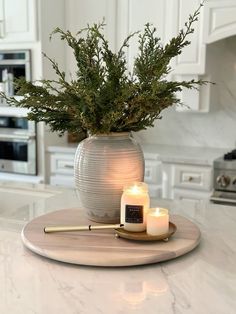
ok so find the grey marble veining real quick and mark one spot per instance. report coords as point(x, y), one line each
point(203, 281)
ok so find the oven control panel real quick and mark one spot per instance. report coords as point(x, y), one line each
point(225, 172)
point(225, 180)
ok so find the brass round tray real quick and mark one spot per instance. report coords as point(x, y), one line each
point(143, 236)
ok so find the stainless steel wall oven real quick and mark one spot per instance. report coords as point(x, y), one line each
point(13, 64)
point(17, 145)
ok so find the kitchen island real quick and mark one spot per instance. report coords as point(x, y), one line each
point(202, 281)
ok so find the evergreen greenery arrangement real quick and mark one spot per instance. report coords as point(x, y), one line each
point(105, 97)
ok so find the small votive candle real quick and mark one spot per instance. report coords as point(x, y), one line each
point(135, 202)
point(157, 221)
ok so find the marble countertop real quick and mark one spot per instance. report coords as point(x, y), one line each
point(203, 281)
point(183, 154)
point(166, 153)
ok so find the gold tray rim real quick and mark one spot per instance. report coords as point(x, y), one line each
point(143, 236)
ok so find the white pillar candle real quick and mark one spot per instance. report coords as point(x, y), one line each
point(135, 202)
point(157, 221)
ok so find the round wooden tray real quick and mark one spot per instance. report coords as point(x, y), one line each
point(101, 247)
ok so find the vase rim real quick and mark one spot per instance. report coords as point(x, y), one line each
point(111, 134)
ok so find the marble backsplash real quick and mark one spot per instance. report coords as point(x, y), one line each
point(217, 128)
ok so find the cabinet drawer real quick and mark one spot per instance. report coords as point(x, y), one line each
point(62, 163)
point(192, 177)
point(190, 196)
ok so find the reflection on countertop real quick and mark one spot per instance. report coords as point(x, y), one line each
point(21, 202)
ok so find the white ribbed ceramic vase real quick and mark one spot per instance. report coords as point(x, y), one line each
point(103, 165)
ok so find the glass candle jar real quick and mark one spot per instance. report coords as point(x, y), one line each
point(135, 203)
point(157, 221)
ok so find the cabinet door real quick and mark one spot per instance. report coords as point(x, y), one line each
point(191, 59)
point(189, 196)
point(132, 15)
point(187, 182)
point(219, 21)
point(17, 21)
point(190, 64)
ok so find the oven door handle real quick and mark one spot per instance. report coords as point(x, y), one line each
point(17, 137)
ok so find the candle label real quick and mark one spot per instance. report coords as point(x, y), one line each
point(134, 214)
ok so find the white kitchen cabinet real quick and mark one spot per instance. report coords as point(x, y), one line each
point(62, 164)
point(170, 171)
point(187, 181)
point(190, 196)
point(153, 177)
point(62, 170)
point(18, 21)
point(80, 13)
point(168, 16)
point(192, 177)
point(217, 20)
point(132, 15)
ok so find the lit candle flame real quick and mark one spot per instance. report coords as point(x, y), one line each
point(135, 189)
point(158, 211)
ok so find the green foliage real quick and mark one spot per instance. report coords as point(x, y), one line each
point(104, 97)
